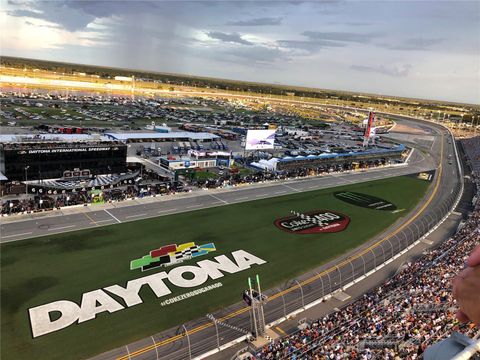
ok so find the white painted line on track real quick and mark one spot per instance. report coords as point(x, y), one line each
point(215, 197)
point(13, 235)
point(349, 181)
point(109, 213)
point(289, 187)
point(261, 195)
point(135, 215)
point(193, 206)
point(280, 192)
point(100, 221)
point(62, 227)
point(166, 210)
point(242, 198)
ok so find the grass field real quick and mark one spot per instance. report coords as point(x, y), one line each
point(57, 267)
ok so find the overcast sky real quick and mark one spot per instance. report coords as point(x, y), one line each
point(426, 49)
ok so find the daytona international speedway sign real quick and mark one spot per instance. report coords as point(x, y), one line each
point(94, 302)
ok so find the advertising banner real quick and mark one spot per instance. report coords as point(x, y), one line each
point(313, 222)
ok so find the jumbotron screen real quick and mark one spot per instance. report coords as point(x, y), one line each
point(260, 139)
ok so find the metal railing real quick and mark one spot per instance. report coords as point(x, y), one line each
point(310, 289)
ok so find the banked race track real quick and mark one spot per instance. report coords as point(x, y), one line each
point(444, 192)
point(205, 335)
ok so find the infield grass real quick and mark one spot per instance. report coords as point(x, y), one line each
point(62, 267)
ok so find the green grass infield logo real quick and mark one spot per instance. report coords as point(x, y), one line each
point(170, 255)
point(364, 200)
point(57, 315)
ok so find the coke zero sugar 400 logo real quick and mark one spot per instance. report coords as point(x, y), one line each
point(313, 222)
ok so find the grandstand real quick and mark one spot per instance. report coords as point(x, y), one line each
point(99, 181)
point(370, 157)
point(405, 315)
point(471, 146)
point(398, 319)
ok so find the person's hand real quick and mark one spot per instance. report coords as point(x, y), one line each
point(474, 258)
point(466, 289)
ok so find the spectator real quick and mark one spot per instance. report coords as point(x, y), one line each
point(403, 316)
point(466, 289)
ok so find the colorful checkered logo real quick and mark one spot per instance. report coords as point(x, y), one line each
point(170, 255)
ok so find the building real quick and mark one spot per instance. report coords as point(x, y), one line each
point(197, 159)
point(351, 160)
point(174, 136)
point(54, 156)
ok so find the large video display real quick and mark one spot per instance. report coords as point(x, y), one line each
point(260, 139)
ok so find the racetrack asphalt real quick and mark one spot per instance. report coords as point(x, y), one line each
point(424, 158)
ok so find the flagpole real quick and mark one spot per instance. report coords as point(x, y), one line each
point(252, 305)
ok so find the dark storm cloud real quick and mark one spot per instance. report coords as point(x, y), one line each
point(228, 38)
point(414, 44)
point(400, 71)
point(75, 15)
point(339, 36)
point(68, 18)
point(266, 21)
point(109, 8)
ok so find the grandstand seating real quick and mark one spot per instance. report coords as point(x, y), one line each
point(400, 318)
point(471, 147)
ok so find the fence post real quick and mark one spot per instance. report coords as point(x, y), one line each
point(301, 290)
point(374, 259)
point(407, 243)
point(284, 306)
point(128, 352)
point(391, 245)
point(353, 271)
point(329, 282)
point(323, 289)
point(218, 337)
point(340, 275)
point(188, 341)
point(418, 229)
point(364, 266)
point(155, 346)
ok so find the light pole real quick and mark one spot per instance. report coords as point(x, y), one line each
point(26, 186)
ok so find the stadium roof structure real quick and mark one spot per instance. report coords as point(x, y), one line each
point(272, 163)
point(25, 138)
point(374, 151)
point(162, 136)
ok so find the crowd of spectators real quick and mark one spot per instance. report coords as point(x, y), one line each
point(471, 147)
point(230, 178)
point(85, 197)
point(227, 179)
point(397, 320)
